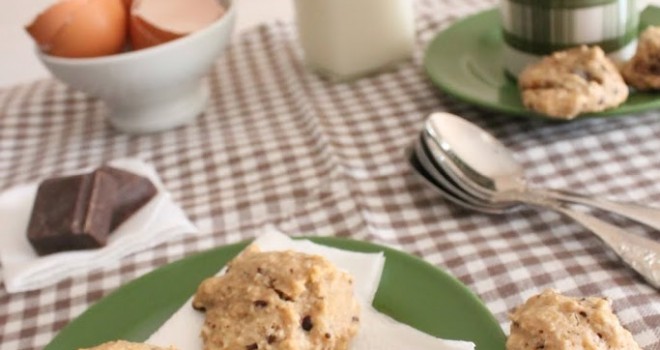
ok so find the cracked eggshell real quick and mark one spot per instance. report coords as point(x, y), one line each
point(154, 22)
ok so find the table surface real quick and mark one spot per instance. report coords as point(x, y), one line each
point(277, 145)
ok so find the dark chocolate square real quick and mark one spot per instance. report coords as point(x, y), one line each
point(134, 191)
point(72, 213)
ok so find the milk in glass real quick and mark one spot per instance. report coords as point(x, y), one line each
point(346, 39)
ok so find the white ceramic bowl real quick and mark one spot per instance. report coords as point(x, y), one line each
point(534, 28)
point(153, 89)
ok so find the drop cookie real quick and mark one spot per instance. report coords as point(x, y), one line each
point(643, 70)
point(572, 82)
point(551, 321)
point(278, 300)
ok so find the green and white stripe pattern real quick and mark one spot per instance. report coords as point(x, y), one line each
point(545, 26)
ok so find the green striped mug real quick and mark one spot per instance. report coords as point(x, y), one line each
point(534, 28)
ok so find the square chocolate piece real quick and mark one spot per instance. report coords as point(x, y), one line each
point(72, 213)
point(133, 192)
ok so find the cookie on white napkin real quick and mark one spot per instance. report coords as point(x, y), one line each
point(158, 221)
point(377, 331)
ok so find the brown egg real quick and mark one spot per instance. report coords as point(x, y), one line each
point(49, 22)
point(82, 28)
point(155, 22)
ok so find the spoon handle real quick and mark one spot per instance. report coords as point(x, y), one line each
point(647, 215)
point(640, 253)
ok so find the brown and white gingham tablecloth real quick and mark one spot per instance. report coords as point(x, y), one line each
point(277, 145)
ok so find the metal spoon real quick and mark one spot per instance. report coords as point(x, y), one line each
point(438, 176)
point(485, 168)
point(493, 167)
point(437, 187)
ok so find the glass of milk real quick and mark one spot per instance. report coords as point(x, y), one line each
point(347, 39)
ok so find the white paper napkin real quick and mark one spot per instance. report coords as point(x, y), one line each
point(156, 222)
point(377, 331)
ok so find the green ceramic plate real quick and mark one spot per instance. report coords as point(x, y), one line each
point(465, 61)
point(411, 291)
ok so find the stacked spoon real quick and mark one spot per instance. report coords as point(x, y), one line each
point(470, 168)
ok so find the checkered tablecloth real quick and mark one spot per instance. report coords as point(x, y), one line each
point(278, 145)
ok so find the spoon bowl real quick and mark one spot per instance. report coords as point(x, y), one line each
point(477, 153)
point(442, 179)
point(431, 183)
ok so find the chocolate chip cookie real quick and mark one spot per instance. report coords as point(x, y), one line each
point(643, 70)
point(551, 321)
point(278, 300)
point(572, 82)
